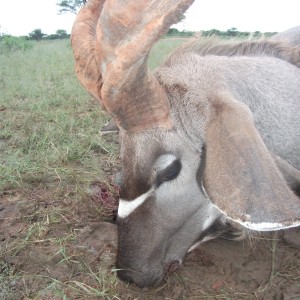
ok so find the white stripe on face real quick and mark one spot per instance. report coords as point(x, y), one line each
point(128, 207)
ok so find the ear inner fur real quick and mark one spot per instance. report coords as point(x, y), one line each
point(240, 177)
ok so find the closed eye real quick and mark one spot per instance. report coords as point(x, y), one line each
point(169, 173)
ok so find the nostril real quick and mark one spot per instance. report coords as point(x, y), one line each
point(140, 279)
point(124, 276)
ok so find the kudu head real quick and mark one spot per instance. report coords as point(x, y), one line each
point(176, 186)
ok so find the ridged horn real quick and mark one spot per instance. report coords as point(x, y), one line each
point(113, 65)
point(83, 39)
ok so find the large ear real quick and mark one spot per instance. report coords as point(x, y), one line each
point(240, 176)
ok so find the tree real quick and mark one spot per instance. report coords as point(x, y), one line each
point(212, 32)
point(72, 6)
point(61, 33)
point(257, 33)
point(232, 31)
point(173, 31)
point(36, 34)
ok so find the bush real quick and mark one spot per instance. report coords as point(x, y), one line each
point(10, 44)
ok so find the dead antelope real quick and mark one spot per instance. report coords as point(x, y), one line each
point(200, 137)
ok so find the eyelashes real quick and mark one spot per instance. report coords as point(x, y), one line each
point(169, 173)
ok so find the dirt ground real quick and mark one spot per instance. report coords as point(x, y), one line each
point(76, 246)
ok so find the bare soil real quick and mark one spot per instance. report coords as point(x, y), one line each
point(261, 267)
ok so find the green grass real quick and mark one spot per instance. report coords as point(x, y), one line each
point(49, 124)
point(161, 50)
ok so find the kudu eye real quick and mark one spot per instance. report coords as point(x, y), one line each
point(169, 173)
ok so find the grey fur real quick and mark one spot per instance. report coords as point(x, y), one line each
point(249, 80)
point(179, 212)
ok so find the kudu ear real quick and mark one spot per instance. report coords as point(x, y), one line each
point(240, 176)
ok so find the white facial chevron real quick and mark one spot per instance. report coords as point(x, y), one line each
point(128, 207)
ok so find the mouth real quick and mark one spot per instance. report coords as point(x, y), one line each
point(172, 266)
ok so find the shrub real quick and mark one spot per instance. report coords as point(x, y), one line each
point(10, 44)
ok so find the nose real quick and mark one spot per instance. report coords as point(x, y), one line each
point(124, 276)
point(140, 279)
point(132, 277)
